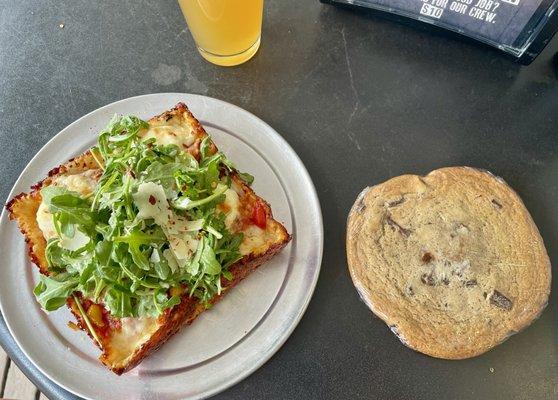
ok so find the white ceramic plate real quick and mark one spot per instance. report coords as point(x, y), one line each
point(226, 343)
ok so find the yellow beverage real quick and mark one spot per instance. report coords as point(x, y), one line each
point(227, 32)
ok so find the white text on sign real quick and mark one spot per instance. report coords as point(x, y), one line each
point(431, 11)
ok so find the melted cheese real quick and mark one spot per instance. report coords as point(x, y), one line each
point(168, 132)
point(133, 334)
point(45, 222)
point(84, 184)
point(255, 240)
point(79, 240)
point(231, 207)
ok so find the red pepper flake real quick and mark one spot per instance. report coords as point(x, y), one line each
point(152, 200)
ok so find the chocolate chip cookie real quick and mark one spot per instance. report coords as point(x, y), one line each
point(452, 262)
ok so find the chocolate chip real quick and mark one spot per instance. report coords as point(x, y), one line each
point(471, 283)
point(428, 279)
point(152, 200)
point(397, 227)
point(396, 202)
point(501, 301)
point(427, 257)
point(497, 204)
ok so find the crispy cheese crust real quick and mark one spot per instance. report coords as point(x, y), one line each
point(24, 206)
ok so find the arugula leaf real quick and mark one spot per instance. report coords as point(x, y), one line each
point(75, 209)
point(210, 264)
point(61, 259)
point(139, 258)
point(162, 173)
point(244, 176)
point(171, 302)
point(119, 302)
point(185, 203)
point(160, 265)
point(51, 293)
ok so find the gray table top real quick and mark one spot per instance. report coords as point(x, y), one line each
point(360, 99)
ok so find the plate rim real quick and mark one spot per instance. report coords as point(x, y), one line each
point(4, 219)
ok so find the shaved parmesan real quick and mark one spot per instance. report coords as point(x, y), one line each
point(151, 201)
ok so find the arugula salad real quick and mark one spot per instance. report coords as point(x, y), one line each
point(151, 228)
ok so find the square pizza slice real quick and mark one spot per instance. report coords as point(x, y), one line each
point(143, 232)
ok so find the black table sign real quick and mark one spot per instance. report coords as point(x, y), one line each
point(520, 28)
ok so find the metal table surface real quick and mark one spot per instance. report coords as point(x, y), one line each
point(361, 99)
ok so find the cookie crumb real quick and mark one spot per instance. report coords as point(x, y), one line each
point(491, 369)
point(61, 26)
point(427, 257)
